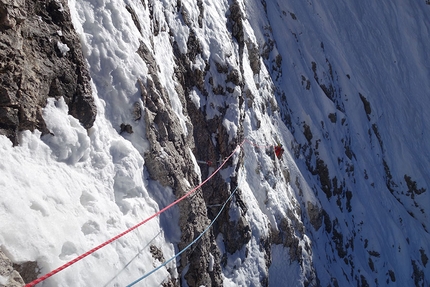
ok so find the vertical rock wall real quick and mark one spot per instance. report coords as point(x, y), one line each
point(169, 161)
point(40, 57)
point(9, 276)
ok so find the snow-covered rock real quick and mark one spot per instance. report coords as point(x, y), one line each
point(180, 87)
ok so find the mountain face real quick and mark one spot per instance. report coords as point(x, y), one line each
point(194, 90)
point(41, 57)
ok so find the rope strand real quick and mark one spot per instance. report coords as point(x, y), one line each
point(188, 246)
point(46, 276)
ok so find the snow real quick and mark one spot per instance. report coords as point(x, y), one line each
point(287, 272)
point(211, 263)
point(76, 189)
point(67, 139)
point(4, 279)
point(69, 203)
point(195, 98)
point(63, 48)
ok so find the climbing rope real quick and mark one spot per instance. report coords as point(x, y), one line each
point(46, 276)
point(189, 245)
point(129, 262)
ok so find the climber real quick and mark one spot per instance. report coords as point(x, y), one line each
point(279, 151)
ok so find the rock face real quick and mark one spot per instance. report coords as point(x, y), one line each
point(166, 137)
point(13, 279)
point(169, 161)
point(40, 57)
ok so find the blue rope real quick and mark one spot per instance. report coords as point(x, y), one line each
point(189, 245)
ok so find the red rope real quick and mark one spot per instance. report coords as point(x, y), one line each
point(53, 272)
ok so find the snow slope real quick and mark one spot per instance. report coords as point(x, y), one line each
point(343, 86)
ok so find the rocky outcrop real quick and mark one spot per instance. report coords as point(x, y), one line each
point(175, 169)
point(8, 276)
point(169, 161)
point(209, 140)
point(212, 142)
point(40, 57)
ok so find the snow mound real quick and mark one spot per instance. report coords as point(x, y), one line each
point(68, 140)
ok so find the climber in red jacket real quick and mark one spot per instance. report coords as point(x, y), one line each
point(279, 151)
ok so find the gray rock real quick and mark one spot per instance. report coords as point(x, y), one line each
point(315, 215)
point(7, 271)
point(40, 57)
point(169, 162)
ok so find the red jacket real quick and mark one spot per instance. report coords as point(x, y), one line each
point(279, 151)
